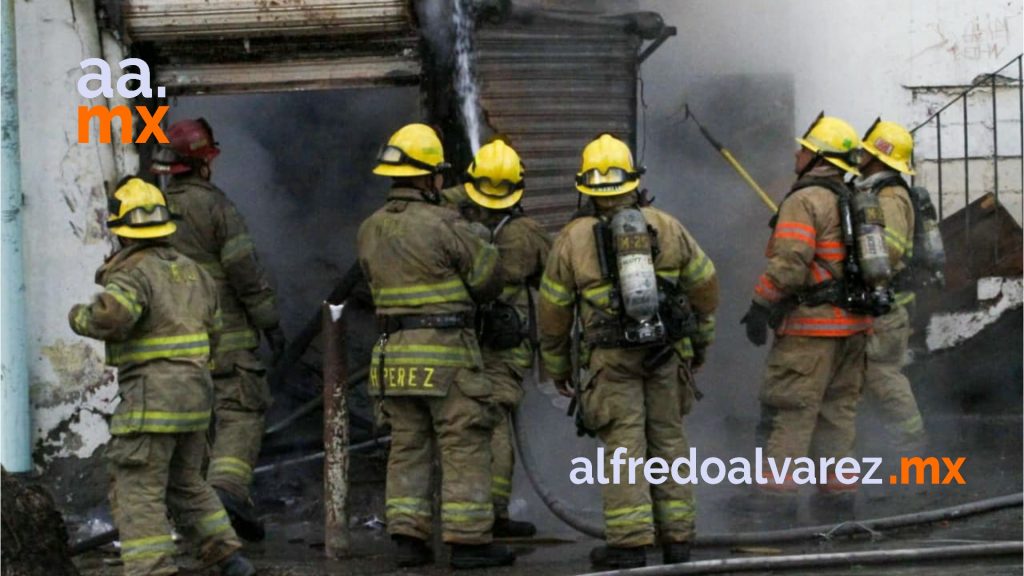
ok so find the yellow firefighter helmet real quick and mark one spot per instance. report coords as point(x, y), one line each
point(415, 150)
point(834, 140)
point(139, 210)
point(495, 176)
point(607, 168)
point(892, 144)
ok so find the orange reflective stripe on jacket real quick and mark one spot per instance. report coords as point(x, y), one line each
point(841, 324)
point(796, 231)
point(830, 251)
point(766, 289)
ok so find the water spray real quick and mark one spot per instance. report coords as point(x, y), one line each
point(465, 82)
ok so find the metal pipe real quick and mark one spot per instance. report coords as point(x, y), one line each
point(995, 168)
point(373, 443)
point(336, 537)
point(967, 197)
point(16, 431)
point(833, 559)
point(354, 379)
point(938, 161)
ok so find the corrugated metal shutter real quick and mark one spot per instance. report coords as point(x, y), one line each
point(156, 20)
point(216, 46)
point(551, 87)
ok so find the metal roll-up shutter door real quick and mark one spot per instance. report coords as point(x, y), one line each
point(157, 20)
point(551, 87)
point(218, 46)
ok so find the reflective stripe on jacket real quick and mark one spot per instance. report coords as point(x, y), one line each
point(159, 318)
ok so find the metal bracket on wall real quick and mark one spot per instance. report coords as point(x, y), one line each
point(666, 33)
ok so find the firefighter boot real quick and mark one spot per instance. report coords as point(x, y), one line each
point(243, 516)
point(613, 557)
point(506, 528)
point(481, 556)
point(675, 552)
point(237, 565)
point(411, 551)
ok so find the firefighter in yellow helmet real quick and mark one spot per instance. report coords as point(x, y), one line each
point(213, 233)
point(428, 271)
point(491, 195)
point(159, 317)
point(646, 294)
point(889, 148)
point(815, 368)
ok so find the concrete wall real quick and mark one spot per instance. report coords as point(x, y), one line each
point(65, 236)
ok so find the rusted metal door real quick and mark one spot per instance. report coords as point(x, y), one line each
point(550, 86)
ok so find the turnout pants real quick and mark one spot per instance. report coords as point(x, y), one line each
point(809, 400)
point(508, 392)
point(459, 425)
point(642, 411)
point(241, 399)
point(151, 474)
point(886, 386)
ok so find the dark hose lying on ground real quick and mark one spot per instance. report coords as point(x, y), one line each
point(837, 559)
point(567, 514)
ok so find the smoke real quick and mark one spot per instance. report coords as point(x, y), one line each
point(299, 168)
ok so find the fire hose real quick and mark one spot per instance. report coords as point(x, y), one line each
point(835, 559)
point(589, 527)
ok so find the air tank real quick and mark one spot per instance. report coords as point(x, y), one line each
point(869, 232)
point(638, 282)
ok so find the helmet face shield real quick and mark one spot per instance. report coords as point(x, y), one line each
point(394, 156)
point(610, 178)
point(142, 216)
point(498, 189)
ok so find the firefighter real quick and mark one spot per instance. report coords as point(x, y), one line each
point(428, 270)
point(159, 317)
point(212, 232)
point(493, 190)
point(646, 294)
point(815, 368)
point(889, 148)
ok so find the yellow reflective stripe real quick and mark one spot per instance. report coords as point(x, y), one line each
point(407, 506)
point(126, 298)
point(81, 320)
point(705, 330)
point(230, 466)
point(244, 339)
point(197, 344)
point(600, 296)
point(913, 425)
point(143, 548)
point(674, 510)
point(501, 486)
point(483, 265)
point(520, 356)
point(511, 290)
point(904, 298)
point(213, 524)
point(420, 294)
point(427, 354)
point(464, 512)
point(555, 293)
point(632, 516)
point(555, 364)
point(696, 271)
point(236, 248)
point(684, 347)
point(896, 241)
point(131, 421)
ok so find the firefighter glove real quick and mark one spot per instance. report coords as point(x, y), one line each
point(756, 321)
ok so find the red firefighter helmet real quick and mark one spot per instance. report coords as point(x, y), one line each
point(188, 140)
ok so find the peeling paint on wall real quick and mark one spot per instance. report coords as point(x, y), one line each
point(1000, 294)
point(71, 412)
